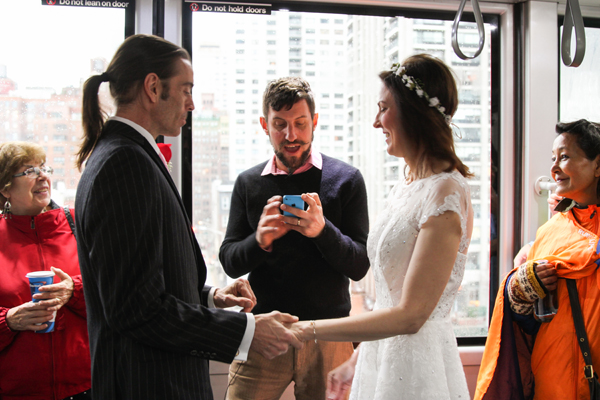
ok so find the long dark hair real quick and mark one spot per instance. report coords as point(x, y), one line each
point(426, 128)
point(138, 56)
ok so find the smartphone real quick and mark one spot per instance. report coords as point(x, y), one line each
point(293, 200)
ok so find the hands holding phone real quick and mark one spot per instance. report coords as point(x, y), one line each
point(273, 225)
point(311, 222)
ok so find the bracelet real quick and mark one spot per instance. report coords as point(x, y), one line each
point(314, 326)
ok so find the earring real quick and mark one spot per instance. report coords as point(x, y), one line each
point(6, 213)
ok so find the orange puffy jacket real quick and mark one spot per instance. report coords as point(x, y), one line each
point(570, 240)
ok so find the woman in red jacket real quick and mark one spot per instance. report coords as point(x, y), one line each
point(36, 236)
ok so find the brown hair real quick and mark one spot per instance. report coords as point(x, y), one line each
point(13, 155)
point(138, 56)
point(285, 92)
point(425, 127)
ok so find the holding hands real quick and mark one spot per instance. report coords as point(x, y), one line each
point(272, 336)
point(340, 379)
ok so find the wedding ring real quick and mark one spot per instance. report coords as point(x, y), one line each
point(298, 223)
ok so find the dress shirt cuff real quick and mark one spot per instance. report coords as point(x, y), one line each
point(242, 354)
point(211, 297)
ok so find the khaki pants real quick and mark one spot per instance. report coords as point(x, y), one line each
point(262, 379)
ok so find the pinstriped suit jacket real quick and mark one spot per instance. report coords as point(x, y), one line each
point(143, 275)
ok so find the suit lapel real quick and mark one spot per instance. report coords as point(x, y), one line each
point(133, 135)
point(126, 131)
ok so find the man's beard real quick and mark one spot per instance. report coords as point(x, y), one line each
point(293, 163)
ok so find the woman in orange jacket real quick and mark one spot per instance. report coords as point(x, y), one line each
point(527, 359)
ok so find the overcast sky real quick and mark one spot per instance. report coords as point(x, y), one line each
point(58, 51)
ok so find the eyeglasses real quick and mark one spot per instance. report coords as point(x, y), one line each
point(34, 172)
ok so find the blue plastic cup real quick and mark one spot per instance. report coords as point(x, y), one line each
point(38, 279)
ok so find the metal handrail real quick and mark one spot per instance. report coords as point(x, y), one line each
point(480, 29)
point(573, 19)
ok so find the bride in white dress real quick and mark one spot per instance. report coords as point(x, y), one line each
point(417, 249)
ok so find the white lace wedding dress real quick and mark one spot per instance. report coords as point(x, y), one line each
point(425, 365)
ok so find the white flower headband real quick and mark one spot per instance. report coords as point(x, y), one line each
point(412, 83)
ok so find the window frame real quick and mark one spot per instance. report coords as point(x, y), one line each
point(496, 119)
point(588, 22)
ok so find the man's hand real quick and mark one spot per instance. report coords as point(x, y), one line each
point(239, 293)
point(311, 222)
point(271, 226)
point(61, 291)
point(272, 337)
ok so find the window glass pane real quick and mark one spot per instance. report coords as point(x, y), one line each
point(46, 54)
point(579, 94)
point(346, 90)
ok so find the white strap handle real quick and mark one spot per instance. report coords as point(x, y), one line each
point(573, 19)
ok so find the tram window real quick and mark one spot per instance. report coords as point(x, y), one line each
point(468, 39)
point(579, 95)
point(46, 53)
point(429, 37)
point(468, 153)
point(427, 22)
point(467, 135)
point(351, 89)
point(476, 211)
point(469, 97)
point(468, 115)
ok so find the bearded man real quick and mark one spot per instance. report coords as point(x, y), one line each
point(300, 264)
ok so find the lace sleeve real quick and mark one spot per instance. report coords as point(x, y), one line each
point(450, 203)
point(448, 193)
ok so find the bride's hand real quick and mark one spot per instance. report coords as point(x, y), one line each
point(300, 329)
point(340, 379)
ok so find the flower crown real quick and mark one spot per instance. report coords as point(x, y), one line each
point(415, 85)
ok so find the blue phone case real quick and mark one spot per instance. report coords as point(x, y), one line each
point(293, 200)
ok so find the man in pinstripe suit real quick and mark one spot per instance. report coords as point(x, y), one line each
point(151, 320)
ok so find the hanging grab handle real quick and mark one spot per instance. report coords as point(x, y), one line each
point(480, 29)
point(573, 19)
